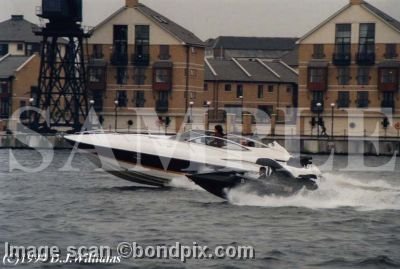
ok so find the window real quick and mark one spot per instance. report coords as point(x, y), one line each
point(390, 51)
point(32, 48)
point(122, 76)
point(96, 74)
point(34, 94)
point(205, 87)
point(142, 42)
point(164, 52)
point(163, 75)
point(4, 87)
point(260, 93)
point(343, 75)
point(228, 87)
point(270, 88)
point(362, 99)
point(3, 49)
point(20, 46)
point(4, 107)
point(318, 51)
point(343, 99)
point(318, 96)
point(388, 99)
point(388, 75)
point(163, 96)
point(122, 98)
point(98, 101)
point(343, 39)
point(317, 75)
point(367, 38)
point(239, 91)
point(139, 75)
point(120, 42)
point(139, 99)
point(193, 50)
point(289, 89)
point(363, 76)
point(97, 51)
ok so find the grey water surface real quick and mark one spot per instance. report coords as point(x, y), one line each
point(352, 221)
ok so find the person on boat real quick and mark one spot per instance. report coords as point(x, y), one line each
point(219, 135)
point(263, 173)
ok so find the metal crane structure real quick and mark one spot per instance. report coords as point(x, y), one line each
point(62, 92)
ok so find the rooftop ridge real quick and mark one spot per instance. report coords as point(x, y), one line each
point(241, 67)
point(210, 66)
point(268, 68)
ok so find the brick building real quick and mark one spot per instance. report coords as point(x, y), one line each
point(350, 64)
point(148, 64)
point(19, 66)
point(266, 86)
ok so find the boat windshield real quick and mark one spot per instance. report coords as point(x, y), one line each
point(237, 139)
point(246, 141)
point(217, 142)
point(189, 135)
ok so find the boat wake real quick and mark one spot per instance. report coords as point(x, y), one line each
point(334, 191)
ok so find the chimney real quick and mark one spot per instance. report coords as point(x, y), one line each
point(17, 17)
point(356, 2)
point(131, 3)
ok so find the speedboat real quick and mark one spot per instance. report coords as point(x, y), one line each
point(277, 181)
point(157, 160)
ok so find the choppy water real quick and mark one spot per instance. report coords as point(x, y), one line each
point(352, 221)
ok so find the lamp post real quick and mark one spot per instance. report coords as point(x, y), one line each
point(207, 106)
point(191, 103)
point(91, 102)
point(241, 103)
point(116, 114)
point(332, 118)
point(319, 105)
point(31, 100)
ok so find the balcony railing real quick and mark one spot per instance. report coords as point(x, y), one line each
point(119, 58)
point(315, 108)
point(141, 59)
point(162, 106)
point(364, 58)
point(97, 56)
point(341, 59)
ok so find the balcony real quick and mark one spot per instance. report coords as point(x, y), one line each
point(97, 74)
point(97, 56)
point(141, 59)
point(317, 86)
point(162, 106)
point(162, 78)
point(317, 79)
point(365, 58)
point(315, 108)
point(119, 58)
point(341, 59)
point(388, 79)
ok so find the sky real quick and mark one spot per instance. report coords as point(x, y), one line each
point(212, 18)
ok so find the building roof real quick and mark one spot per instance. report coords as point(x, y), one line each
point(17, 29)
point(248, 71)
point(10, 64)
point(175, 29)
point(377, 12)
point(292, 57)
point(168, 25)
point(254, 43)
